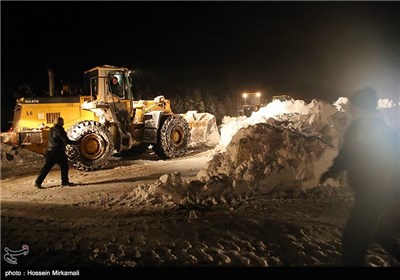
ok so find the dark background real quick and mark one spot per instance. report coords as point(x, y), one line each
point(305, 49)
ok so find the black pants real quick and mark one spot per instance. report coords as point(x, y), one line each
point(362, 227)
point(53, 157)
point(388, 231)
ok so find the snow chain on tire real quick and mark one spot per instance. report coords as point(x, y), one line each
point(94, 147)
point(173, 137)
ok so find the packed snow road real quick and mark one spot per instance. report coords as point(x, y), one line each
point(111, 219)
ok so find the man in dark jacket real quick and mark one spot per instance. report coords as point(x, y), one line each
point(58, 139)
point(116, 88)
point(370, 154)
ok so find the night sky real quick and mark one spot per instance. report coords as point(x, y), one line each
point(305, 49)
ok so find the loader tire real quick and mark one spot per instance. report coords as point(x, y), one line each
point(94, 147)
point(173, 137)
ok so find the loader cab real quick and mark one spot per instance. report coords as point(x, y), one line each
point(107, 82)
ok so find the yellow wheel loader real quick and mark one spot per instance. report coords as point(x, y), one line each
point(105, 118)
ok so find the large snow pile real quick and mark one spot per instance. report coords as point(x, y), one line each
point(285, 145)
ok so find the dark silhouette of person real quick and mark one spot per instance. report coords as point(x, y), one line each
point(370, 154)
point(58, 139)
point(116, 88)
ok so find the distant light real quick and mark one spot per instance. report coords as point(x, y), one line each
point(258, 94)
point(245, 95)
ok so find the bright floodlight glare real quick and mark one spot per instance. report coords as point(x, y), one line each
point(258, 94)
point(244, 95)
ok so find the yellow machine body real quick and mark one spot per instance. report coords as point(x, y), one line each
point(101, 119)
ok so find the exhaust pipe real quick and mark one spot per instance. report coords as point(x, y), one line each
point(51, 81)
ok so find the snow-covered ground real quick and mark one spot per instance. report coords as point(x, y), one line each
point(254, 200)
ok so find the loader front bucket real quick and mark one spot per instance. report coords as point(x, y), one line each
point(203, 129)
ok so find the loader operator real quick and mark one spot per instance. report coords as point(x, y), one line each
point(58, 139)
point(116, 88)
